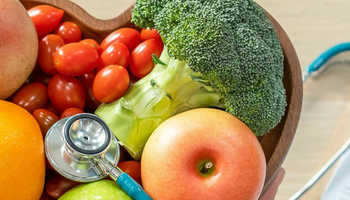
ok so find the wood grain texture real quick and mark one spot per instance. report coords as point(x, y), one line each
point(276, 143)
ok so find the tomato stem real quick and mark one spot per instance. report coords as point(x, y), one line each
point(204, 169)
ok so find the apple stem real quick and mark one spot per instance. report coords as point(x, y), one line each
point(206, 167)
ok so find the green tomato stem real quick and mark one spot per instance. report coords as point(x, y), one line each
point(206, 168)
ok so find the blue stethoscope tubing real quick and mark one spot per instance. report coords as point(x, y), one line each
point(309, 71)
point(324, 57)
point(132, 188)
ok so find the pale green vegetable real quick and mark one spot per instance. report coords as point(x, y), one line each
point(99, 190)
point(171, 88)
point(219, 53)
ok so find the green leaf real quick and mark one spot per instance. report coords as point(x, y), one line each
point(156, 60)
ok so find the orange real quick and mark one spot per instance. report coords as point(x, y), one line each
point(22, 159)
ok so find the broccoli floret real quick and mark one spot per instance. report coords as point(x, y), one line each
point(218, 53)
point(144, 12)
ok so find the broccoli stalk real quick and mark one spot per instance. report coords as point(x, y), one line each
point(219, 53)
point(171, 88)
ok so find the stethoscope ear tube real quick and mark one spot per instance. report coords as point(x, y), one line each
point(314, 67)
point(324, 57)
point(322, 171)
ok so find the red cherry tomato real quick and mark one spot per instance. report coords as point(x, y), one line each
point(58, 185)
point(148, 34)
point(70, 112)
point(41, 77)
point(66, 92)
point(75, 59)
point(69, 32)
point(45, 119)
point(93, 44)
point(128, 36)
point(141, 61)
point(45, 18)
point(115, 54)
point(48, 46)
point(87, 81)
point(45, 196)
point(110, 83)
point(52, 108)
point(132, 168)
point(31, 96)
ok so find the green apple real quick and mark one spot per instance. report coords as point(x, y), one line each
point(99, 190)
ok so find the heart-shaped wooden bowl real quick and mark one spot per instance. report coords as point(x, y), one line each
point(276, 143)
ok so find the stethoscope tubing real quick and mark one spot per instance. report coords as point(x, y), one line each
point(324, 57)
point(314, 67)
point(128, 184)
point(322, 171)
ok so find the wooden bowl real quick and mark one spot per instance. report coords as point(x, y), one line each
point(276, 143)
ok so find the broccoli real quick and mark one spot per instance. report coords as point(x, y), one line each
point(218, 53)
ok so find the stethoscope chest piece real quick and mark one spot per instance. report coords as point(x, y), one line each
point(75, 144)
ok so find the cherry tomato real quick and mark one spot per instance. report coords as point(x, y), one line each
point(75, 59)
point(86, 81)
point(45, 119)
point(132, 168)
point(69, 32)
point(93, 44)
point(110, 83)
point(45, 18)
point(141, 61)
point(115, 54)
point(52, 108)
point(128, 36)
point(48, 46)
point(148, 34)
point(58, 185)
point(45, 196)
point(31, 96)
point(66, 92)
point(12, 97)
point(41, 77)
point(70, 112)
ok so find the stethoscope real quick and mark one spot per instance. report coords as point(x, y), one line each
point(82, 148)
point(310, 71)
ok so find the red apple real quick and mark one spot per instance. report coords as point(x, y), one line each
point(203, 154)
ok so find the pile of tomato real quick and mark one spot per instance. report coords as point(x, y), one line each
point(76, 74)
